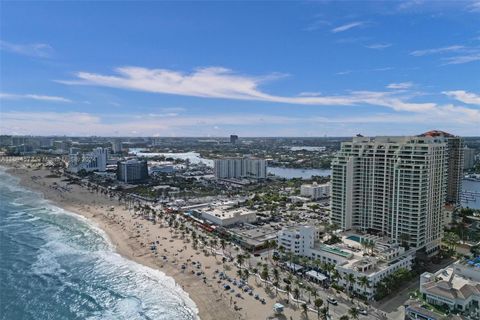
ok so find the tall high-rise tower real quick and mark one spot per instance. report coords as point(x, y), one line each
point(455, 165)
point(392, 186)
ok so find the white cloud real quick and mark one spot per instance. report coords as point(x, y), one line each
point(225, 84)
point(85, 124)
point(419, 53)
point(216, 82)
point(348, 26)
point(474, 7)
point(41, 50)
point(11, 96)
point(400, 85)
point(342, 73)
point(378, 46)
point(383, 69)
point(461, 59)
point(405, 5)
point(464, 96)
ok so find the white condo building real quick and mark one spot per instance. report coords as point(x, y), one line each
point(238, 168)
point(93, 161)
point(394, 187)
point(315, 191)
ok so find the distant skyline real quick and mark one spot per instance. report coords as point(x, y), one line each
point(255, 69)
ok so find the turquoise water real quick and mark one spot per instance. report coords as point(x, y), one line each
point(354, 238)
point(57, 265)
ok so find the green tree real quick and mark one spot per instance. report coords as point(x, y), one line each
point(288, 288)
point(276, 277)
point(305, 309)
point(324, 313)
point(452, 240)
point(265, 275)
point(350, 279)
point(353, 313)
point(240, 260)
point(318, 304)
point(363, 281)
point(296, 293)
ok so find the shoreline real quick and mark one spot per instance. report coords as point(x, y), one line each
point(119, 226)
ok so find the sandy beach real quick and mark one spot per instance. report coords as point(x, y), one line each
point(132, 235)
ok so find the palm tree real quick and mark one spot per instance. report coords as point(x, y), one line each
point(276, 276)
point(329, 268)
point(255, 271)
point(246, 274)
point(296, 293)
point(265, 274)
point(336, 275)
point(224, 260)
point(363, 281)
point(247, 257)
point(290, 278)
point(350, 279)
point(212, 247)
point(344, 317)
point(288, 288)
point(318, 304)
point(223, 244)
point(354, 313)
point(324, 313)
point(305, 261)
point(240, 260)
point(305, 309)
point(275, 258)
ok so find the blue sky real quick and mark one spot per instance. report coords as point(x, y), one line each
point(310, 68)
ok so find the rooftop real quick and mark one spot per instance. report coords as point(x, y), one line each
point(226, 212)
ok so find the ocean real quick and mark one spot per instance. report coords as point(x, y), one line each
point(58, 265)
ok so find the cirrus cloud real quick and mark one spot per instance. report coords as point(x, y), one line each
point(39, 97)
point(222, 83)
point(348, 26)
point(41, 50)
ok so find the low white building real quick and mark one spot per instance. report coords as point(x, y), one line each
point(315, 191)
point(350, 256)
point(226, 215)
point(456, 287)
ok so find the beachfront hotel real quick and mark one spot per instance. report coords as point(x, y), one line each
point(397, 187)
point(349, 256)
point(96, 160)
point(132, 171)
